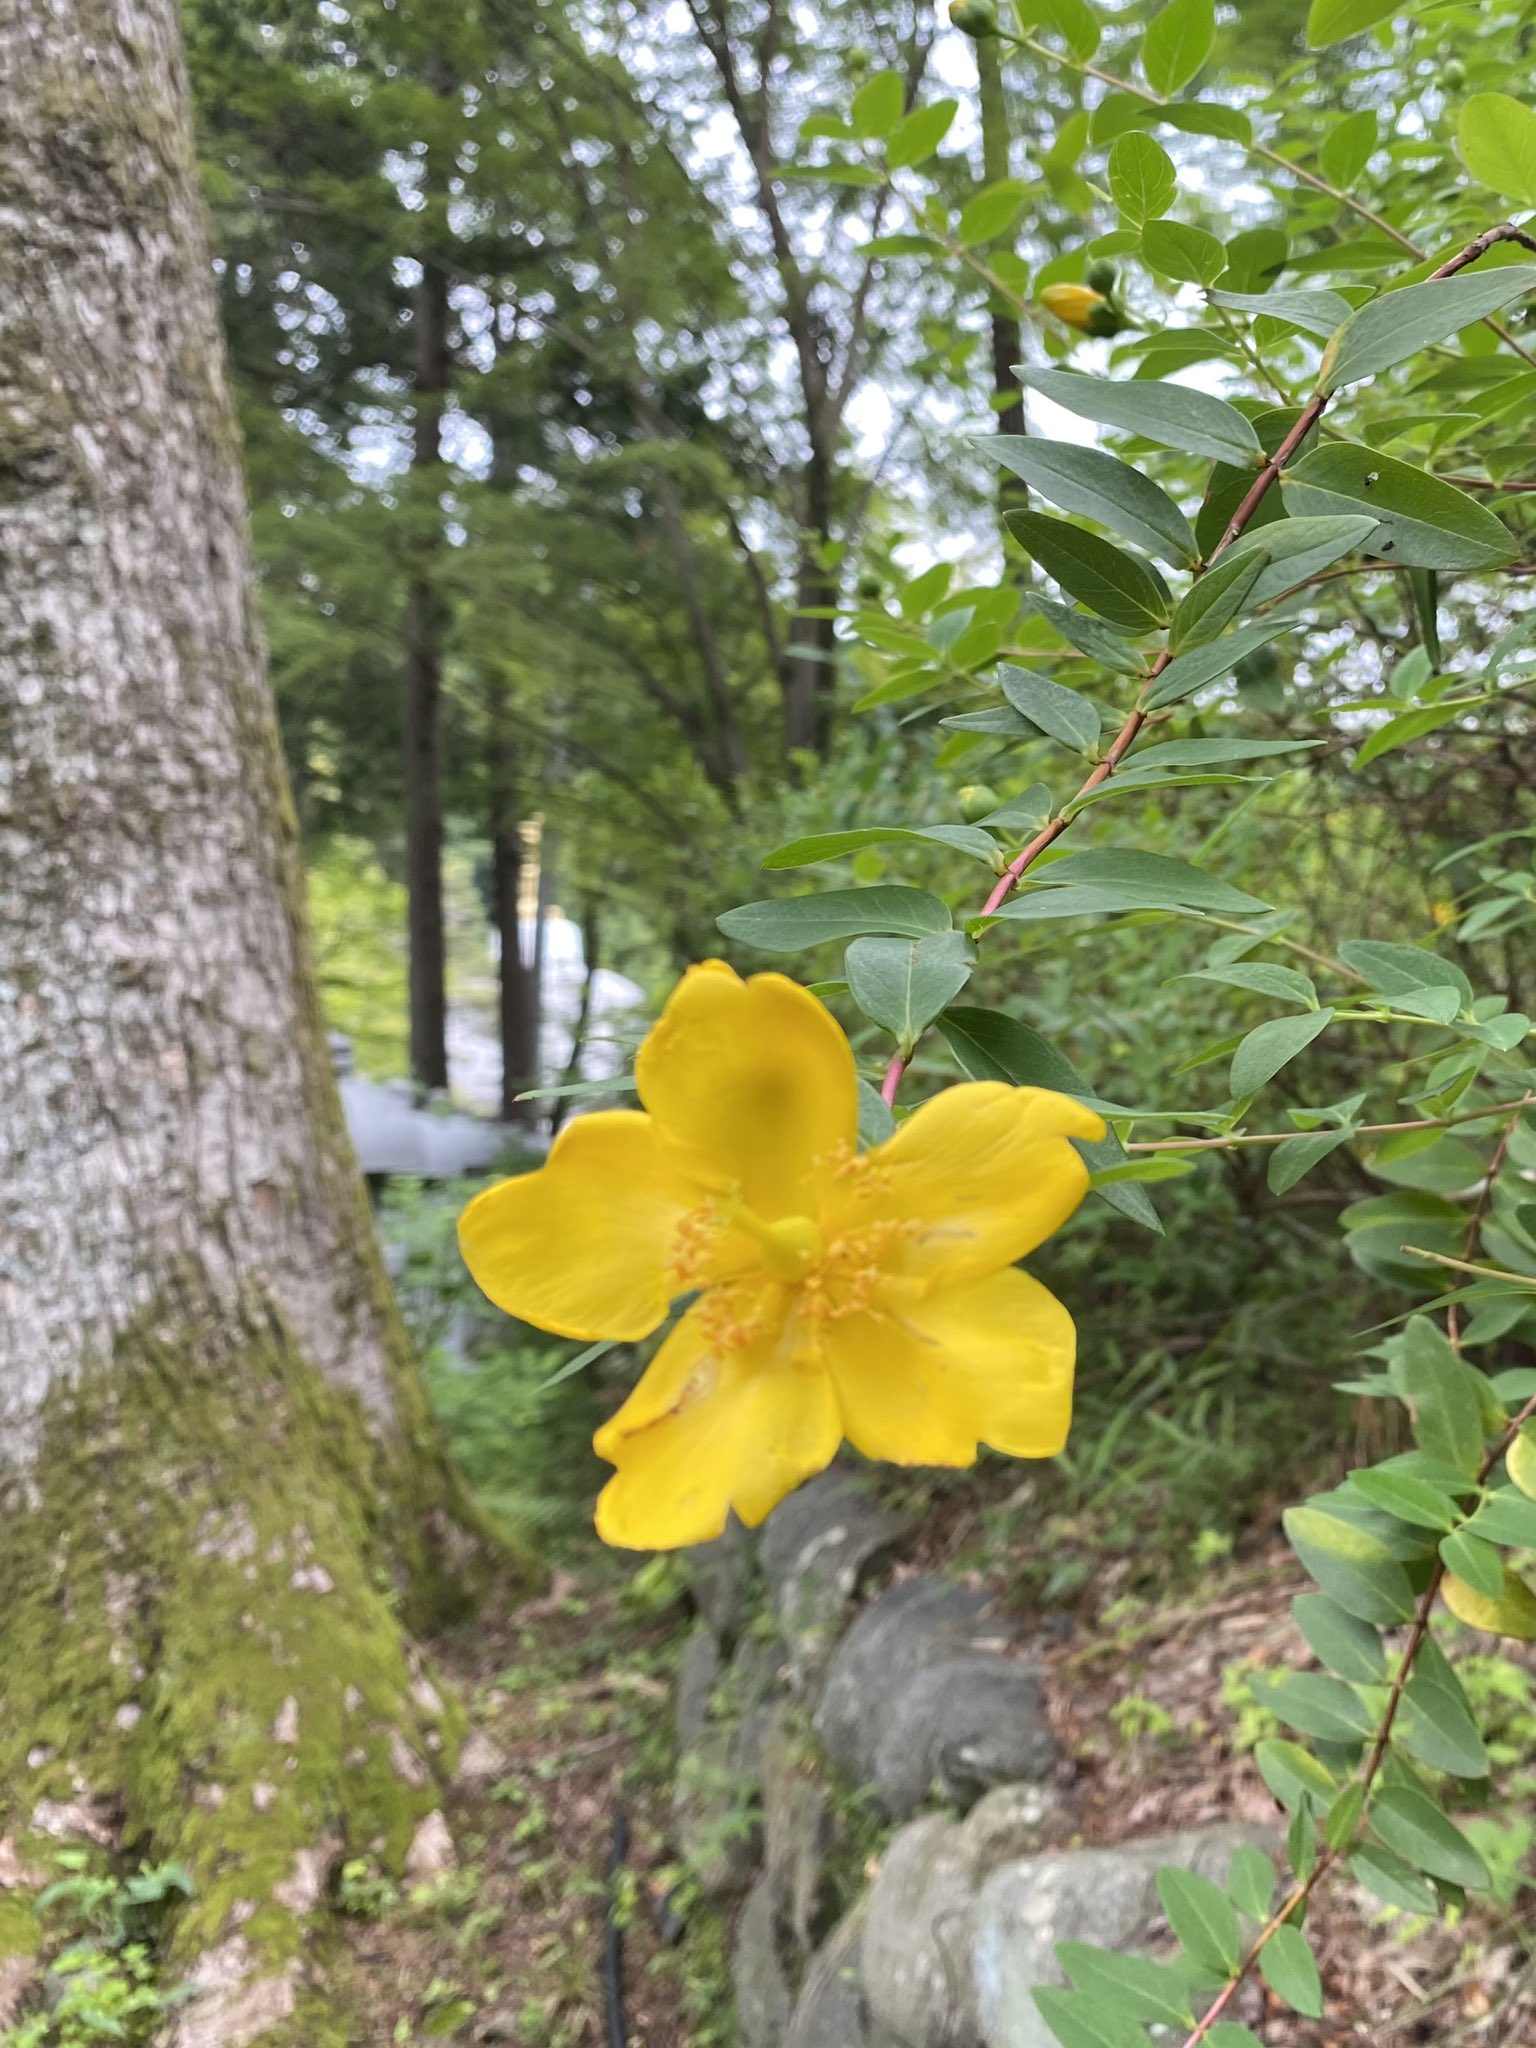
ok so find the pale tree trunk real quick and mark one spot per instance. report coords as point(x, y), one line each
point(217, 1473)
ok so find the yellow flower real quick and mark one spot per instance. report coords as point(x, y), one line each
point(872, 1296)
point(1080, 306)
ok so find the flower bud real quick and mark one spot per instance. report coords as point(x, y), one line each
point(976, 800)
point(975, 18)
point(1100, 275)
point(1079, 306)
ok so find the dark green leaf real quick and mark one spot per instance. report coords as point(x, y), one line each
point(1313, 1703)
point(1319, 313)
point(1295, 1159)
point(1435, 1723)
point(1506, 1517)
point(1178, 250)
point(1294, 1774)
point(1251, 1881)
point(1132, 1985)
point(1081, 2021)
point(1390, 1879)
point(902, 984)
point(786, 923)
point(1411, 1500)
point(1269, 1047)
point(1060, 712)
point(1170, 414)
point(1114, 878)
point(1442, 1392)
point(1100, 487)
point(1352, 1565)
point(1103, 644)
point(1420, 519)
point(1187, 673)
point(876, 1123)
point(1398, 970)
point(1476, 1563)
point(1263, 979)
point(1213, 601)
point(1411, 1824)
point(802, 853)
point(1116, 585)
point(1296, 549)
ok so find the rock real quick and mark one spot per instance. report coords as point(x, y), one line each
point(899, 1634)
point(757, 1974)
point(721, 1575)
point(1104, 1896)
point(1012, 1821)
point(698, 1672)
point(914, 1951)
point(431, 1852)
point(960, 1727)
point(796, 1827)
point(815, 1548)
point(715, 1818)
point(830, 2011)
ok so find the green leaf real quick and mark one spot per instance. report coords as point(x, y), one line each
point(1081, 2021)
point(1496, 139)
point(1099, 486)
point(1261, 978)
point(1411, 1824)
point(1213, 601)
point(1104, 644)
point(902, 984)
point(1398, 970)
point(876, 1122)
point(919, 134)
point(1442, 1393)
point(1251, 1881)
point(1334, 21)
point(1177, 44)
point(1142, 180)
point(1211, 753)
point(1202, 1916)
point(1116, 585)
point(1295, 1159)
point(1476, 1563)
point(1420, 519)
point(1294, 1774)
point(1294, 549)
point(1268, 1047)
point(1231, 2034)
point(1390, 1879)
point(1316, 1704)
point(1435, 1724)
point(784, 924)
point(1056, 710)
point(1404, 729)
point(1348, 147)
point(804, 853)
point(1506, 1517)
point(579, 1363)
point(1073, 20)
point(1520, 1459)
point(989, 1046)
point(992, 212)
point(1177, 250)
point(1317, 313)
point(1399, 324)
point(1411, 1500)
point(1193, 671)
point(1133, 1985)
point(1289, 1969)
point(877, 106)
point(1169, 414)
point(1126, 879)
point(1353, 1566)
point(1348, 1646)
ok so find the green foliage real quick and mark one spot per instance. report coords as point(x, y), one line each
point(103, 1981)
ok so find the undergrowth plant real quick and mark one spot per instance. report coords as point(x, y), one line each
point(1322, 484)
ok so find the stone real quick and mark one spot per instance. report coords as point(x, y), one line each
point(715, 1796)
point(722, 1576)
point(914, 1950)
point(830, 2011)
point(815, 1548)
point(1107, 1897)
point(431, 1852)
point(958, 1728)
point(761, 1986)
point(698, 1673)
point(796, 1828)
point(907, 1628)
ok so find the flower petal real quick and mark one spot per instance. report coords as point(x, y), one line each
point(752, 1085)
point(581, 1246)
point(986, 1171)
point(935, 1375)
point(709, 1429)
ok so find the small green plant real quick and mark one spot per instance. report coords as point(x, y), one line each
point(364, 1892)
point(1136, 1718)
point(103, 1983)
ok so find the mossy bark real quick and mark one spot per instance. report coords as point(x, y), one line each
point(225, 1502)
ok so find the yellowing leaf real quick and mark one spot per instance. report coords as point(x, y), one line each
point(1521, 1461)
point(1512, 1614)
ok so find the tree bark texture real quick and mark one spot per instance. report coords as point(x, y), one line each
point(216, 1464)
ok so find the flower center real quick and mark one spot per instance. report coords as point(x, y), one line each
point(791, 1247)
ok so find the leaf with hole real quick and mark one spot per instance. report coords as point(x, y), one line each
point(1421, 519)
point(1101, 487)
point(902, 984)
point(1118, 586)
point(784, 924)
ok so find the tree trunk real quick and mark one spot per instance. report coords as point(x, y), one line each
point(1007, 341)
point(810, 671)
point(423, 699)
point(217, 1470)
point(517, 978)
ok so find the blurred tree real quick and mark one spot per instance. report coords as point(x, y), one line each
point(223, 1487)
